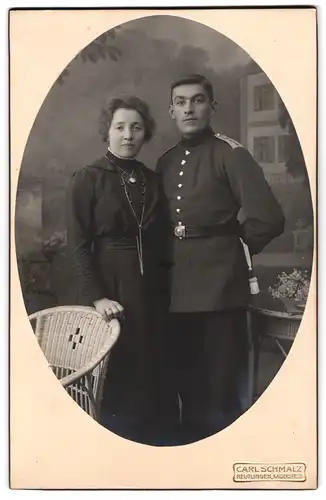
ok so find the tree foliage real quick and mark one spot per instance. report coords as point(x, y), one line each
point(102, 47)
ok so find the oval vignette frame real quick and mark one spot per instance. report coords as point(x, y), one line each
point(42, 104)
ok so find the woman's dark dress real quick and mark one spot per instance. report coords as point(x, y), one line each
point(102, 240)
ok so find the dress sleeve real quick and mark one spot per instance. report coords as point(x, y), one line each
point(164, 226)
point(80, 231)
point(263, 217)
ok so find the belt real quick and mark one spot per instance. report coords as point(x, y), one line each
point(190, 231)
point(115, 244)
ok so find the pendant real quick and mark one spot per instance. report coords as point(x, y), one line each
point(132, 180)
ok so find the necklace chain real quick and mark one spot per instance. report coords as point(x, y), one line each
point(139, 238)
point(142, 202)
point(129, 177)
point(126, 178)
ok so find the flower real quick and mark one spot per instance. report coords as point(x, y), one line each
point(56, 242)
point(294, 285)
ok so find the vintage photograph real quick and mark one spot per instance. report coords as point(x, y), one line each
point(164, 230)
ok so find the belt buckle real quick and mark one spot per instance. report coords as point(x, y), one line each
point(180, 231)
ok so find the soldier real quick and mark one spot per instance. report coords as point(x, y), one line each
point(207, 179)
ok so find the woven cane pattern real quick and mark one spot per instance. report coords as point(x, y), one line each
point(76, 342)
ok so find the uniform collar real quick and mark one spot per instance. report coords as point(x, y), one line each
point(198, 138)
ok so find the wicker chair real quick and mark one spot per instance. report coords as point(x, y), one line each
point(76, 342)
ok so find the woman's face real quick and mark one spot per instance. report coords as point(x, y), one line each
point(126, 133)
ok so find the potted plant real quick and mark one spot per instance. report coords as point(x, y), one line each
point(55, 244)
point(292, 290)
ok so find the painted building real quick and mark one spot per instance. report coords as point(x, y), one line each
point(260, 130)
point(266, 140)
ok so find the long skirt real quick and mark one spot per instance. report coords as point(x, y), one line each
point(130, 390)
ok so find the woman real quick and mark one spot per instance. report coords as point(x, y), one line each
point(114, 221)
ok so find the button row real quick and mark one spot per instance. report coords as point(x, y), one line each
point(183, 162)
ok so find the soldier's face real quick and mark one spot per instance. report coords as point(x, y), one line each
point(191, 108)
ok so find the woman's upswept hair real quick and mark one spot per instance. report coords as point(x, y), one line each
point(127, 102)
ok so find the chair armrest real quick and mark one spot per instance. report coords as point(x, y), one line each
point(73, 377)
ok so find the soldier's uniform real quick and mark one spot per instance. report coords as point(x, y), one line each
point(206, 180)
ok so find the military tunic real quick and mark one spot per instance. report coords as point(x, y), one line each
point(206, 180)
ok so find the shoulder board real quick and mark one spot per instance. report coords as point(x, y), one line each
point(231, 142)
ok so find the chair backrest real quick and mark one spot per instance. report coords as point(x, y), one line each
point(72, 337)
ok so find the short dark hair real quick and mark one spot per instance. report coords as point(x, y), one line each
point(127, 102)
point(198, 79)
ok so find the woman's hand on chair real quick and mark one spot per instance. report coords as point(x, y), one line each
point(108, 308)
